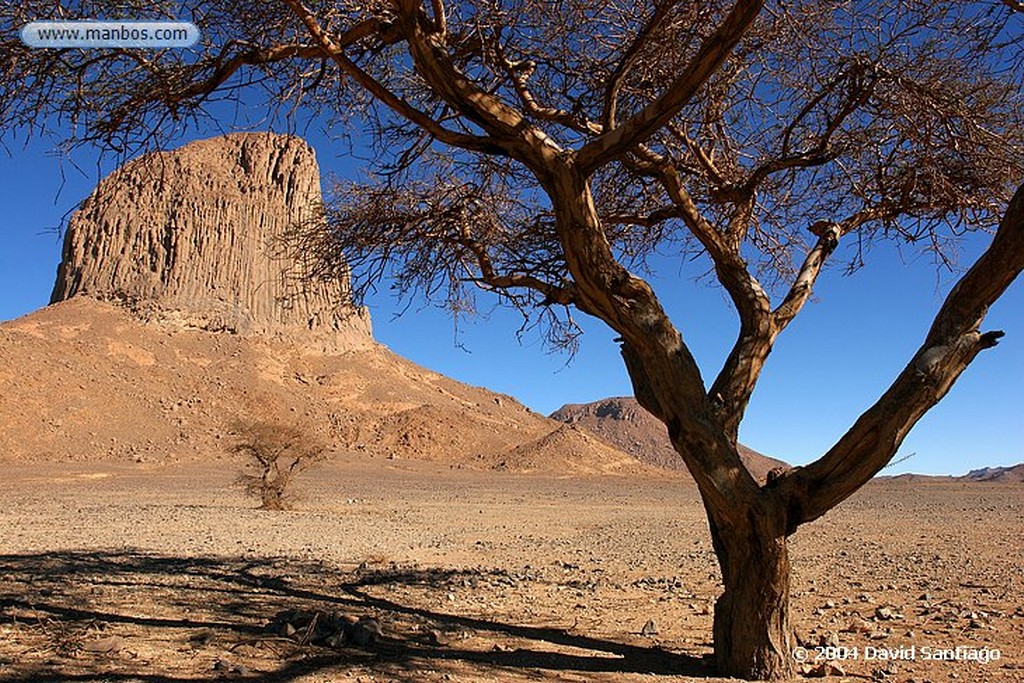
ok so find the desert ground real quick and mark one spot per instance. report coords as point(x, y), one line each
point(163, 573)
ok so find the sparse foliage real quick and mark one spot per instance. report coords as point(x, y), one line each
point(274, 454)
point(551, 153)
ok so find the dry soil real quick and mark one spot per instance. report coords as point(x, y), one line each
point(165, 573)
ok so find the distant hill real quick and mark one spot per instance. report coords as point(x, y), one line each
point(1002, 475)
point(989, 475)
point(623, 423)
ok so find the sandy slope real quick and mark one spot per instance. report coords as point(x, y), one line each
point(85, 381)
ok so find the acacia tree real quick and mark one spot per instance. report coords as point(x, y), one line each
point(273, 454)
point(547, 151)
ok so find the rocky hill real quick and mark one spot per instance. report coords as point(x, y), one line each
point(1002, 475)
point(197, 237)
point(987, 475)
point(86, 380)
point(621, 422)
point(175, 312)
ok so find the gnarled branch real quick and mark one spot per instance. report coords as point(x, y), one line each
point(504, 124)
point(640, 127)
point(951, 344)
point(334, 50)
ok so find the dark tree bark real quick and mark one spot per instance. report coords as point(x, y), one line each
point(752, 635)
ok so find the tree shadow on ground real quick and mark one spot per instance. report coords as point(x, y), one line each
point(214, 609)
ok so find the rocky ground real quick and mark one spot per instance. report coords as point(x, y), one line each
point(395, 570)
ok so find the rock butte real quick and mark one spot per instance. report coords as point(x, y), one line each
point(194, 237)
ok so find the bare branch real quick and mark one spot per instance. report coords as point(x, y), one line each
point(860, 80)
point(506, 126)
point(953, 341)
point(649, 219)
point(704, 160)
point(520, 74)
point(553, 294)
point(803, 285)
point(708, 59)
point(203, 88)
point(829, 235)
point(966, 306)
point(334, 50)
point(629, 57)
point(440, 21)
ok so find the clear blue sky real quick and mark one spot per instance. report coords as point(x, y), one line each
point(832, 362)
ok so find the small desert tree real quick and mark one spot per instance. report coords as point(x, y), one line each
point(546, 151)
point(273, 454)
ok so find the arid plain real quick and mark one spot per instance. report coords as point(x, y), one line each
point(163, 573)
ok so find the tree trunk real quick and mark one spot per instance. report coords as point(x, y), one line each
point(752, 637)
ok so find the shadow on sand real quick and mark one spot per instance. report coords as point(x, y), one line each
point(187, 614)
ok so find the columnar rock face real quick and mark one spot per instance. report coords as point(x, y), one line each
point(194, 237)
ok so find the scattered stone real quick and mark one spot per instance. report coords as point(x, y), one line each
point(365, 632)
point(824, 670)
point(883, 673)
point(105, 646)
point(858, 625)
point(887, 614)
point(436, 638)
point(326, 629)
point(202, 638)
point(223, 666)
point(830, 639)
